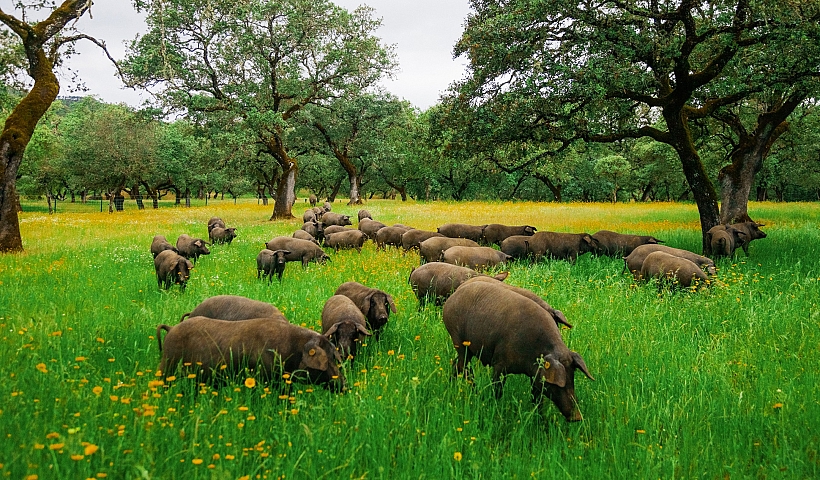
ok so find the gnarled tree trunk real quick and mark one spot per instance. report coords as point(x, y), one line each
point(737, 178)
point(20, 125)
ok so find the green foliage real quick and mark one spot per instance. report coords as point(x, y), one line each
point(715, 383)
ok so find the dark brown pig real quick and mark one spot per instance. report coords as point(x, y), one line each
point(389, 236)
point(315, 229)
point(613, 244)
point(219, 235)
point(748, 231)
point(462, 230)
point(346, 239)
point(331, 229)
point(634, 260)
point(496, 233)
point(330, 218)
point(437, 280)
point(513, 335)
point(215, 222)
point(364, 214)
point(344, 324)
point(680, 271)
point(412, 238)
point(561, 246)
point(516, 246)
point(160, 243)
point(192, 248)
point(217, 350)
point(312, 199)
point(270, 263)
point(374, 304)
point(723, 240)
point(234, 308)
point(305, 236)
point(172, 268)
point(558, 315)
point(477, 258)
point(370, 227)
point(432, 249)
point(299, 250)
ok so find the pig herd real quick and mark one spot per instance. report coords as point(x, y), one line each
point(510, 329)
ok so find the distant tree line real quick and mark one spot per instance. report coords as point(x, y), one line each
point(87, 148)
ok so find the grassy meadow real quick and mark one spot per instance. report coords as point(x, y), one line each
point(718, 383)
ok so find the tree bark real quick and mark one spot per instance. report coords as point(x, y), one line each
point(737, 178)
point(355, 198)
point(554, 188)
point(285, 194)
point(693, 169)
point(20, 124)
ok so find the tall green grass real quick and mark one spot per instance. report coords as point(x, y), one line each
point(720, 383)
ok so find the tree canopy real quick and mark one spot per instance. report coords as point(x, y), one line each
point(257, 63)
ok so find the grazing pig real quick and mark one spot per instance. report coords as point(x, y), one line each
point(411, 238)
point(723, 240)
point(315, 229)
point(513, 335)
point(190, 247)
point(462, 230)
point(215, 222)
point(634, 260)
point(299, 250)
point(477, 258)
point(495, 233)
point(234, 308)
point(389, 236)
point(516, 246)
point(270, 263)
point(217, 350)
point(681, 271)
point(561, 246)
point(335, 229)
point(432, 249)
point(305, 236)
point(172, 268)
point(159, 244)
point(370, 227)
point(558, 315)
point(438, 280)
point(613, 244)
point(748, 231)
point(344, 324)
point(219, 235)
point(312, 199)
point(374, 304)
point(330, 218)
point(364, 214)
point(308, 216)
point(326, 206)
point(319, 211)
point(346, 239)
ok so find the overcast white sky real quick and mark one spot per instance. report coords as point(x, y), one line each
point(423, 32)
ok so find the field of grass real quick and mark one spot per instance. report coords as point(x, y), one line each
point(719, 383)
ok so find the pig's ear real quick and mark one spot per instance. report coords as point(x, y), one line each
point(554, 371)
point(365, 305)
point(331, 330)
point(580, 365)
point(392, 303)
point(314, 357)
point(363, 330)
point(502, 276)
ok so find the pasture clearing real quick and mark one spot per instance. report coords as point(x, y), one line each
point(720, 383)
